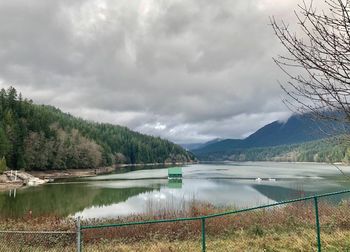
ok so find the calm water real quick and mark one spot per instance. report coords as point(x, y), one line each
point(132, 192)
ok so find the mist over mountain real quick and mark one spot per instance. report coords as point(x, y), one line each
point(194, 146)
point(296, 130)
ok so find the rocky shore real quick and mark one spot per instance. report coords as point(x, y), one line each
point(71, 173)
point(15, 179)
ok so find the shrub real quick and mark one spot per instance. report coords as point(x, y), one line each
point(3, 166)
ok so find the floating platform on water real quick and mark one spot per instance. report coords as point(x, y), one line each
point(175, 173)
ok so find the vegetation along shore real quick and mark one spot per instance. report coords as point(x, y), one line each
point(275, 229)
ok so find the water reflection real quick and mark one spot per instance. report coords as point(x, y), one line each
point(176, 195)
point(12, 193)
point(61, 199)
point(139, 191)
point(175, 183)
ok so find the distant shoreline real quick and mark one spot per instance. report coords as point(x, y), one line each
point(6, 185)
point(79, 173)
point(76, 173)
point(271, 161)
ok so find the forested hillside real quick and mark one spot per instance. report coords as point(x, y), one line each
point(336, 149)
point(297, 129)
point(39, 137)
point(300, 138)
point(282, 140)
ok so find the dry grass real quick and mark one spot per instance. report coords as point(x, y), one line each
point(239, 241)
point(295, 217)
point(44, 223)
point(289, 228)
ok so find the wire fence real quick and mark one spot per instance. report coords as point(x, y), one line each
point(38, 241)
point(269, 229)
point(220, 232)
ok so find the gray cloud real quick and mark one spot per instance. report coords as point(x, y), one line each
point(184, 70)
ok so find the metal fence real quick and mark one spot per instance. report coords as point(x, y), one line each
point(211, 232)
point(38, 241)
point(199, 230)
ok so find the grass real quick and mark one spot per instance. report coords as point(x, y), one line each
point(289, 228)
point(239, 241)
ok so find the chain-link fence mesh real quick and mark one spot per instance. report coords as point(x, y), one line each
point(36, 241)
point(280, 228)
point(170, 236)
point(334, 218)
point(304, 224)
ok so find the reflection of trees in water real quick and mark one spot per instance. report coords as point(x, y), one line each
point(61, 200)
point(278, 193)
point(131, 168)
point(108, 196)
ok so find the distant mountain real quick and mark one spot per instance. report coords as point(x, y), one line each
point(194, 146)
point(297, 129)
point(329, 150)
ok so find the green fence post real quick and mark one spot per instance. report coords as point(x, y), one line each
point(203, 234)
point(78, 234)
point(317, 225)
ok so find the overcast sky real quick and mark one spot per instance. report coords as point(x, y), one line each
point(188, 70)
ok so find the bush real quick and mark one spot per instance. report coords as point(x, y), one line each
point(3, 166)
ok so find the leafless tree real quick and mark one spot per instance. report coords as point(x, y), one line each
point(318, 60)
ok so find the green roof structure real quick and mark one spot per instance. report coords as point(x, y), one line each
point(175, 173)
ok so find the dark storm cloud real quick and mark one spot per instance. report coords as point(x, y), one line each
point(184, 70)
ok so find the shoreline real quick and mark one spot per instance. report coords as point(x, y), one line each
point(272, 161)
point(6, 184)
point(47, 175)
point(71, 173)
point(79, 173)
point(10, 186)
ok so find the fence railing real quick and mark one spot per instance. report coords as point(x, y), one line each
point(77, 239)
point(202, 219)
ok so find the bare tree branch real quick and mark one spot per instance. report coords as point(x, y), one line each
point(318, 60)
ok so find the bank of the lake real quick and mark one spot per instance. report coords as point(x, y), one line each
point(72, 173)
point(80, 173)
point(5, 186)
point(46, 176)
point(11, 180)
point(52, 175)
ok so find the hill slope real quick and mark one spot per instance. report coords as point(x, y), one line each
point(296, 130)
point(330, 150)
point(42, 137)
point(194, 146)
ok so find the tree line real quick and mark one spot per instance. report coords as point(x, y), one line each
point(40, 137)
point(334, 149)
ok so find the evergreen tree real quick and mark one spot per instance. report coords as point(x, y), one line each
point(38, 137)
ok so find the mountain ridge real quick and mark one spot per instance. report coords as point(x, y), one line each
point(194, 146)
point(297, 129)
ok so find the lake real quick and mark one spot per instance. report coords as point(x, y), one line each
point(132, 191)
